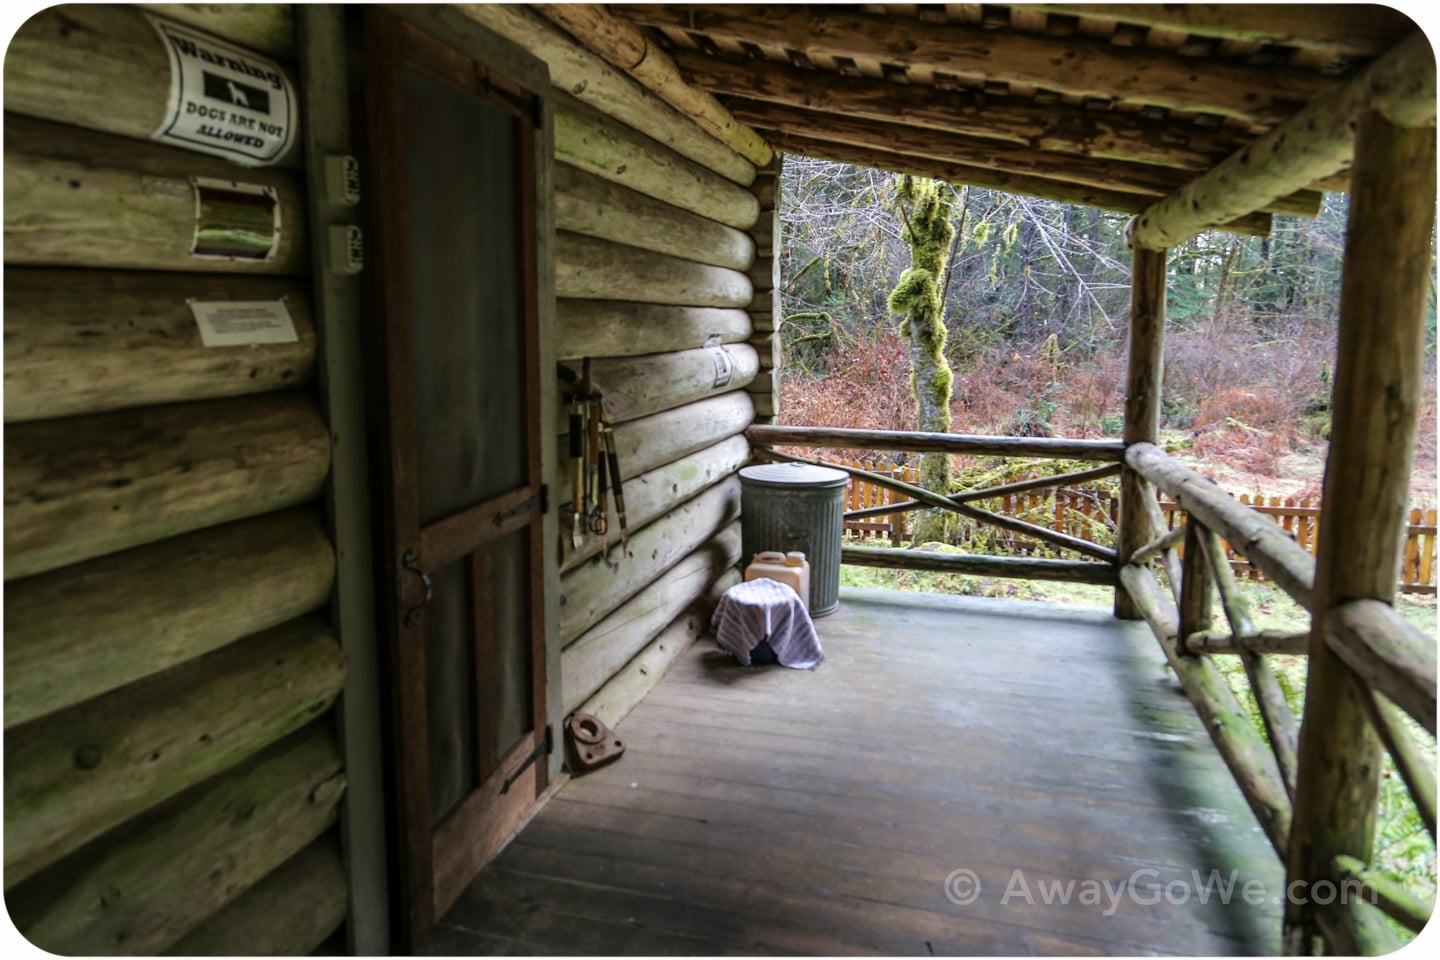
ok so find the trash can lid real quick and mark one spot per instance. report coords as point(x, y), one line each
point(793, 475)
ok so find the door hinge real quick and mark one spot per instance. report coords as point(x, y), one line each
point(544, 748)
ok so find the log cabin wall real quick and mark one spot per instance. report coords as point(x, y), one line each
point(655, 259)
point(172, 775)
point(765, 308)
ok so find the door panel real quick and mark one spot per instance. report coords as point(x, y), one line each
point(452, 166)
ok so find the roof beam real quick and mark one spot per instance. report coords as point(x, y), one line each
point(1317, 142)
point(1073, 65)
point(1347, 30)
point(1106, 134)
point(1253, 225)
point(622, 44)
point(995, 155)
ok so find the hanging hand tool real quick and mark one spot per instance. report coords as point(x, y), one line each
point(596, 464)
point(577, 455)
point(601, 517)
point(614, 461)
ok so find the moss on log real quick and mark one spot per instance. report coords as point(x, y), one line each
point(84, 487)
point(596, 207)
point(142, 887)
point(104, 67)
point(624, 691)
point(86, 341)
point(93, 627)
point(73, 775)
point(588, 663)
point(591, 591)
point(587, 77)
point(617, 328)
point(288, 913)
point(76, 198)
point(652, 441)
point(617, 153)
point(635, 386)
point(656, 492)
point(587, 268)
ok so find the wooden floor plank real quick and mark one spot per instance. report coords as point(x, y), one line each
point(768, 811)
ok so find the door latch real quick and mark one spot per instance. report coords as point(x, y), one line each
point(411, 561)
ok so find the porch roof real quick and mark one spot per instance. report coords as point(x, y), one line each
point(1106, 105)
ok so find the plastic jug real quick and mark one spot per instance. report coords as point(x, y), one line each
point(790, 568)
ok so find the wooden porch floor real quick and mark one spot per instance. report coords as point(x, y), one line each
point(771, 811)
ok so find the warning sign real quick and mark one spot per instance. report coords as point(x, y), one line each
point(225, 100)
point(243, 323)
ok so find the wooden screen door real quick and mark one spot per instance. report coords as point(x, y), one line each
point(452, 175)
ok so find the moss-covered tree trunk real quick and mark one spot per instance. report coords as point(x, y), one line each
point(925, 206)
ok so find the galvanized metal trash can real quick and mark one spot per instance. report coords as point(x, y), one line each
point(796, 506)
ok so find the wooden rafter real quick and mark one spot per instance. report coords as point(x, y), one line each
point(1075, 130)
point(1074, 66)
point(1317, 142)
point(625, 46)
point(1350, 30)
point(985, 178)
point(995, 155)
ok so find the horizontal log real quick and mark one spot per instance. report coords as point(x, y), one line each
point(971, 565)
point(591, 269)
point(267, 27)
point(993, 155)
point(103, 67)
point(1390, 655)
point(762, 317)
point(635, 386)
point(83, 487)
point(97, 626)
point(591, 591)
point(1263, 641)
point(1256, 537)
point(656, 492)
point(596, 207)
point(1078, 194)
point(622, 155)
point(624, 691)
point(75, 198)
point(86, 341)
point(1073, 65)
point(622, 44)
point(589, 78)
point(287, 913)
point(618, 328)
point(1090, 133)
point(599, 653)
point(1315, 143)
point(1228, 724)
point(646, 443)
point(1351, 30)
point(911, 441)
point(140, 889)
point(71, 776)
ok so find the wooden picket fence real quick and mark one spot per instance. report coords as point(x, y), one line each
point(1086, 512)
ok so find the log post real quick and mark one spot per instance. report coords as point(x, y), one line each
point(1142, 403)
point(1197, 594)
point(1377, 393)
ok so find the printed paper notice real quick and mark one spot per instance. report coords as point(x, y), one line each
point(243, 323)
point(225, 100)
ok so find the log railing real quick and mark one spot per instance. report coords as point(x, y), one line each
point(763, 438)
point(1393, 664)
